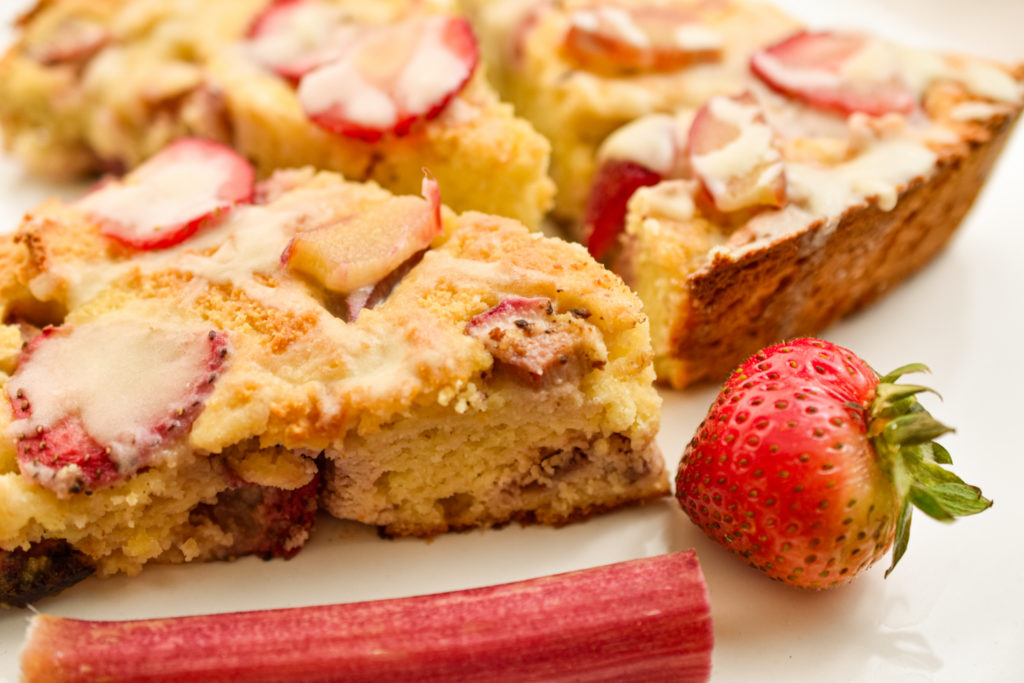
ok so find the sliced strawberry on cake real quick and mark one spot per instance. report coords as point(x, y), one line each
point(189, 185)
point(155, 382)
point(839, 71)
point(391, 77)
point(641, 153)
point(372, 90)
point(397, 361)
point(735, 155)
point(293, 37)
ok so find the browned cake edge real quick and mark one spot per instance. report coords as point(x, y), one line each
point(803, 282)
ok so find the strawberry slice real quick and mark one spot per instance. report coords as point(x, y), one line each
point(733, 152)
point(190, 184)
point(93, 402)
point(645, 38)
point(841, 72)
point(293, 37)
point(391, 77)
point(605, 217)
point(643, 152)
point(360, 250)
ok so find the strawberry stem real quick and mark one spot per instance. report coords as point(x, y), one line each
point(902, 433)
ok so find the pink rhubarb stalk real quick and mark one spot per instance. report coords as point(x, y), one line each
point(642, 620)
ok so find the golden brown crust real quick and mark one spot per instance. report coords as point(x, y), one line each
point(800, 284)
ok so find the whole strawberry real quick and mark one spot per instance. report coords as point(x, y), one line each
point(808, 465)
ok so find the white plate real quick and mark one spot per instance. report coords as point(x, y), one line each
point(950, 612)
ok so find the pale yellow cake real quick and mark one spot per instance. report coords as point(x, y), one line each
point(98, 85)
point(423, 371)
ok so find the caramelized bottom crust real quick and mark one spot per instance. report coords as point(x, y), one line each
point(46, 568)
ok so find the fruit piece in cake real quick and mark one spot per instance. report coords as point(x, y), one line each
point(844, 72)
point(579, 108)
point(191, 184)
point(156, 381)
point(293, 37)
point(734, 153)
point(359, 250)
point(391, 77)
point(637, 155)
point(642, 620)
point(151, 78)
point(619, 38)
point(884, 149)
point(536, 343)
point(808, 465)
point(407, 422)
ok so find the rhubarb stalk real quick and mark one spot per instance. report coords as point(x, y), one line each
point(641, 620)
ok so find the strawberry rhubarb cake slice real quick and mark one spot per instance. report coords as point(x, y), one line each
point(373, 90)
point(753, 180)
point(193, 362)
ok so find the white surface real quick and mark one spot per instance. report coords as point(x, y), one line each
point(950, 612)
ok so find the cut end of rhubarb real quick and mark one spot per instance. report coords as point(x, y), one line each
point(631, 621)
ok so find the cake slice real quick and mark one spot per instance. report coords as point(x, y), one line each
point(376, 91)
point(193, 364)
point(581, 69)
point(752, 179)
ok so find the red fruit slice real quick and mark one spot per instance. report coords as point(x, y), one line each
point(362, 249)
point(293, 37)
point(190, 184)
point(734, 154)
point(391, 77)
point(842, 72)
point(92, 402)
point(643, 152)
point(605, 216)
point(651, 38)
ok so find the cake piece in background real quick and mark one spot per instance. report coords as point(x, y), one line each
point(581, 69)
point(752, 179)
point(193, 363)
point(376, 91)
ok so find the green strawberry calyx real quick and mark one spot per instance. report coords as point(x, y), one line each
point(902, 432)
